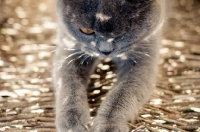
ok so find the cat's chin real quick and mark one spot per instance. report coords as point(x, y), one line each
point(98, 54)
point(123, 56)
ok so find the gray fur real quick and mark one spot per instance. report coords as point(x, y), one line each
point(129, 32)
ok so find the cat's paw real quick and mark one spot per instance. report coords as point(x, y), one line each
point(71, 125)
point(76, 128)
point(110, 127)
point(72, 122)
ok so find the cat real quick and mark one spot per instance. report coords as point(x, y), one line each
point(129, 32)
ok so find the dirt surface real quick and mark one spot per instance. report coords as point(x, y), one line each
point(27, 45)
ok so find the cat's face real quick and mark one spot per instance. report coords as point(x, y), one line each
point(108, 27)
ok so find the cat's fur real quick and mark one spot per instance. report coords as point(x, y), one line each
point(126, 30)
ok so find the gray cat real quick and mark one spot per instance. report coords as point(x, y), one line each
point(128, 31)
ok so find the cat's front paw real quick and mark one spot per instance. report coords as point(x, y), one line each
point(110, 127)
point(73, 122)
point(71, 126)
point(77, 128)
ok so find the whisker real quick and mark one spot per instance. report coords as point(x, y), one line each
point(81, 55)
point(70, 61)
point(132, 59)
point(147, 55)
point(135, 56)
point(130, 63)
point(72, 54)
point(86, 56)
point(88, 59)
point(144, 55)
point(91, 58)
point(82, 61)
point(76, 58)
point(70, 49)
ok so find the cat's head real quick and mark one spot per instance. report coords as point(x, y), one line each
point(108, 27)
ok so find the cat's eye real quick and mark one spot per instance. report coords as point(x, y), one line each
point(87, 31)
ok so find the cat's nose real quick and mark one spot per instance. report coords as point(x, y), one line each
point(106, 53)
point(106, 50)
point(105, 47)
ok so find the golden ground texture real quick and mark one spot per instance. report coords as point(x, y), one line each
point(27, 44)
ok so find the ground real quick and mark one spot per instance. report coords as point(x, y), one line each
point(27, 44)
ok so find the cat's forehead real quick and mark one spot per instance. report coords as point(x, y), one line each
point(103, 9)
point(109, 7)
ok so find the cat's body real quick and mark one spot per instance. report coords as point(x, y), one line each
point(127, 31)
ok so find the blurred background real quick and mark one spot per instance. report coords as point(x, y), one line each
point(27, 45)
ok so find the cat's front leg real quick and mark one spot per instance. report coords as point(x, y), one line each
point(71, 74)
point(133, 88)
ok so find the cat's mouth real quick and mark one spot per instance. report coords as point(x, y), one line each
point(117, 52)
point(90, 51)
